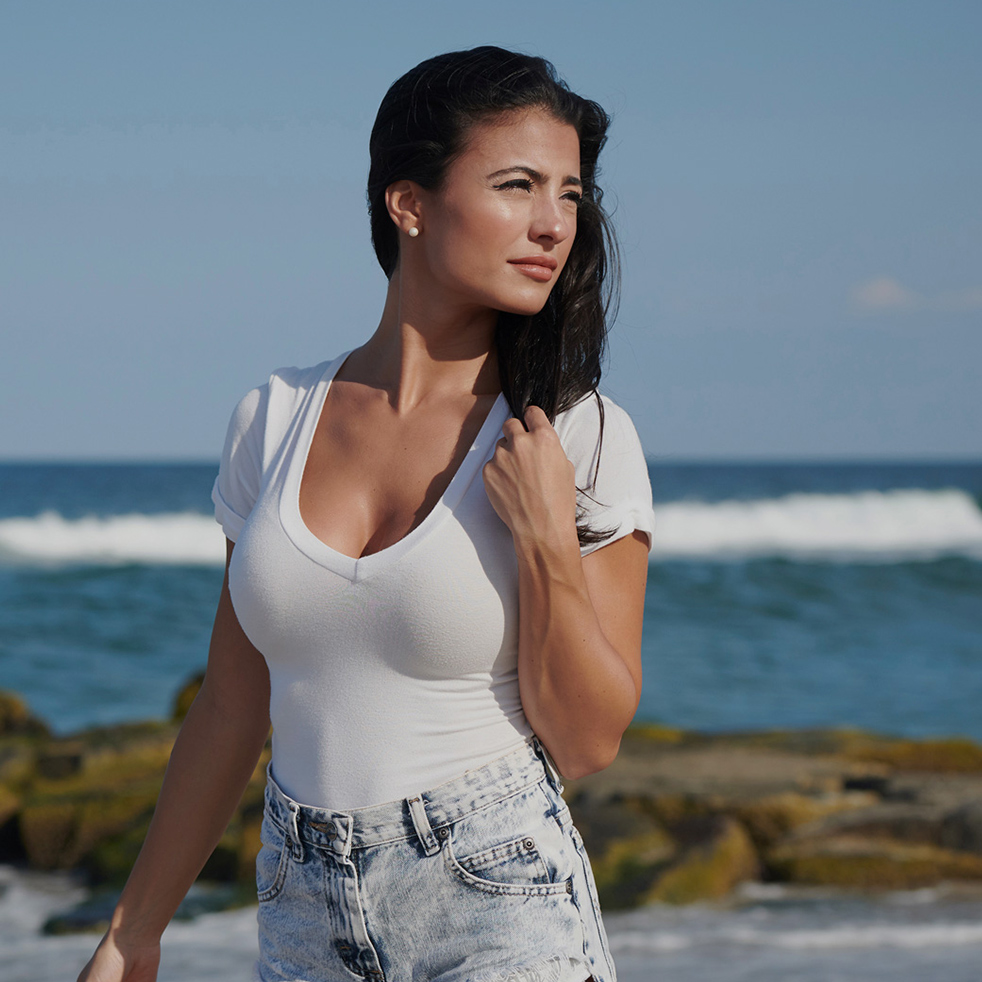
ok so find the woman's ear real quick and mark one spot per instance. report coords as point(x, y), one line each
point(402, 199)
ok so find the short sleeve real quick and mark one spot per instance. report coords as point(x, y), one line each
point(611, 471)
point(240, 473)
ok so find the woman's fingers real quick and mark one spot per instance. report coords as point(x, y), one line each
point(512, 428)
point(536, 419)
point(529, 480)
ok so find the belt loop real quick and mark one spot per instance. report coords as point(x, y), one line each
point(296, 845)
point(552, 772)
point(346, 827)
point(422, 825)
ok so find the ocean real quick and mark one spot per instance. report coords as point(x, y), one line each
point(779, 595)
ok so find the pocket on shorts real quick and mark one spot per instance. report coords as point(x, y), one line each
point(512, 847)
point(272, 861)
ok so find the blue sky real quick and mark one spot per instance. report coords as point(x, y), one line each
point(798, 190)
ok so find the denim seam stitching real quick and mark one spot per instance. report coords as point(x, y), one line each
point(448, 822)
point(508, 889)
point(276, 887)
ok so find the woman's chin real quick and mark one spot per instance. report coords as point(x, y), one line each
point(525, 308)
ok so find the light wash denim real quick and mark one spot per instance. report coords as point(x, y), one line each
point(483, 879)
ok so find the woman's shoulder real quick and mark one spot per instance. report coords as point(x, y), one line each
point(596, 422)
point(257, 427)
point(294, 383)
point(602, 443)
point(281, 394)
point(266, 410)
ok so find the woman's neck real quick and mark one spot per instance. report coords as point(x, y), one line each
point(424, 348)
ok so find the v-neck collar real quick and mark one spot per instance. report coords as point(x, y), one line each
point(360, 568)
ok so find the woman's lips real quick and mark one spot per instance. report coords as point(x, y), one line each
point(538, 268)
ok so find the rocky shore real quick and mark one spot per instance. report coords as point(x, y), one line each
point(679, 817)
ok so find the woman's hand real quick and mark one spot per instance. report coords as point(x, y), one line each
point(530, 482)
point(115, 961)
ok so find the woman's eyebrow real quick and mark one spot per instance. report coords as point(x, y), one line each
point(536, 176)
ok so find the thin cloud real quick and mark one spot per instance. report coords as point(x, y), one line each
point(884, 294)
point(961, 300)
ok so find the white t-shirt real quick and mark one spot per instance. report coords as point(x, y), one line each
point(395, 672)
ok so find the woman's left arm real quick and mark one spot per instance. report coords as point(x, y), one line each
point(579, 661)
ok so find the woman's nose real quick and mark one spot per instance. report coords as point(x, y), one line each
point(551, 222)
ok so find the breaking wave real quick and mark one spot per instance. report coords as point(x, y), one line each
point(184, 538)
point(871, 526)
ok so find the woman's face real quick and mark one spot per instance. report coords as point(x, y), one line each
point(498, 231)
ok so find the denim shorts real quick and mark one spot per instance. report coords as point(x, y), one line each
point(483, 879)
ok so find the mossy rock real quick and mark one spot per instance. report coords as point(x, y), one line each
point(889, 820)
point(962, 828)
point(73, 810)
point(656, 733)
point(186, 695)
point(870, 865)
point(953, 755)
point(9, 804)
point(109, 862)
point(18, 760)
point(60, 759)
point(673, 810)
point(773, 817)
point(110, 744)
point(941, 755)
point(626, 847)
point(605, 823)
point(626, 870)
point(710, 869)
point(46, 833)
point(232, 861)
point(59, 832)
point(16, 717)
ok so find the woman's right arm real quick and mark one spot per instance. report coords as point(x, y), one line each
point(213, 758)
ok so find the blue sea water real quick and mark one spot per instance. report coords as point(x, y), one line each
point(779, 595)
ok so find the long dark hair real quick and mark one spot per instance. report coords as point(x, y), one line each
point(551, 359)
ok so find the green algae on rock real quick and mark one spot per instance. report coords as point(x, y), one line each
point(887, 819)
point(870, 864)
point(678, 817)
point(709, 869)
point(16, 718)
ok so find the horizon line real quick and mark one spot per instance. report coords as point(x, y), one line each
point(652, 460)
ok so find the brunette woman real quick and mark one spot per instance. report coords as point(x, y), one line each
point(437, 582)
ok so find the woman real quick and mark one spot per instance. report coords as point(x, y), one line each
point(438, 606)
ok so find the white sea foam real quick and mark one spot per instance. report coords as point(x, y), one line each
point(185, 538)
point(212, 948)
point(867, 936)
point(871, 525)
point(838, 936)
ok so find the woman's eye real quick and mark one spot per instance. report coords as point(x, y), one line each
point(573, 196)
point(519, 182)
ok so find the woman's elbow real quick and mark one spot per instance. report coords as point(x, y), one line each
point(573, 765)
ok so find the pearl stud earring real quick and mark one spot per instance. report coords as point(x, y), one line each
point(413, 232)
